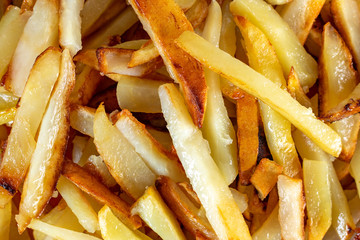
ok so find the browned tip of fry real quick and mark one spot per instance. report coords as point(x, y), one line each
point(7, 191)
point(89, 184)
point(87, 57)
point(349, 109)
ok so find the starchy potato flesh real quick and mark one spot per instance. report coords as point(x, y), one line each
point(182, 67)
point(287, 46)
point(82, 119)
point(205, 177)
point(48, 155)
point(11, 27)
point(240, 199)
point(259, 86)
point(271, 229)
point(300, 15)
point(26, 123)
point(113, 228)
point(89, 184)
point(78, 204)
point(120, 157)
point(346, 15)
point(5, 218)
point(217, 127)
point(137, 94)
point(40, 32)
point(262, 58)
point(291, 208)
point(152, 209)
point(58, 232)
point(154, 155)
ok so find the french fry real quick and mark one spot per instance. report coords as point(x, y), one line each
point(7, 99)
point(205, 177)
point(346, 16)
point(287, 46)
point(278, 2)
point(184, 209)
point(88, 57)
point(120, 157)
point(152, 209)
point(291, 207)
point(262, 88)
point(96, 166)
point(40, 32)
point(7, 115)
point(78, 204)
point(113, 228)
point(263, 59)
point(162, 137)
point(82, 119)
point(197, 13)
point(11, 27)
point(247, 117)
point(355, 166)
point(295, 89)
point(27, 5)
point(240, 199)
point(217, 127)
point(300, 15)
point(146, 53)
point(70, 25)
point(5, 218)
point(89, 184)
point(58, 232)
point(159, 160)
point(265, 176)
point(3, 6)
point(182, 67)
point(48, 155)
point(88, 150)
point(313, 41)
point(33, 103)
point(271, 229)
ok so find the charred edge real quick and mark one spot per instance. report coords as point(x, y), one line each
point(7, 186)
point(263, 151)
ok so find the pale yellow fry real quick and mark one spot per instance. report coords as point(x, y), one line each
point(5, 218)
point(264, 89)
point(91, 12)
point(82, 119)
point(288, 48)
point(7, 115)
point(270, 230)
point(11, 27)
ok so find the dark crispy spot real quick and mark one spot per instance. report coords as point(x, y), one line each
point(7, 187)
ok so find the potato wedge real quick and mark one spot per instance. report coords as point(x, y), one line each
point(158, 159)
point(113, 228)
point(262, 58)
point(33, 103)
point(262, 88)
point(11, 27)
point(182, 67)
point(120, 157)
point(40, 32)
point(291, 208)
point(152, 209)
point(287, 46)
point(89, 184)
point(82, 119)
point(300, 15)
point(205, 177)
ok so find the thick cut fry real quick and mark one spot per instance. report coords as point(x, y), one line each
point(78, 204)
point(158, 159)
point(300, 15)
point(89, 184)
point(137, 94)
point(40, 32)
point(291, 208)
point(296, 91)
point(152, 209)
point(182, 67)
point(265, 176)
point(125, 165)
point(346, 14)
point(112, 228)
point(247, 117)
point(262, 58)
point(184, 209)
point(205, 177)
point(271, 229)
point(11, 27)
point(70, 25)
point(5, 218)
point(48, 155)
point(337, 79)
point(116, 60)
point(82, 119)
point(217, 128)
point(287, 46)
point(58, 232)
point(33, 103)
point(318, 197)
point(262, 88)
point(96, 166)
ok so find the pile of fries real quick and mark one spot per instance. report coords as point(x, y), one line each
point(179, 119)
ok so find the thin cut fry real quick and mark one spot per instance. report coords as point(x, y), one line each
point(182, 67)
point(262, 88)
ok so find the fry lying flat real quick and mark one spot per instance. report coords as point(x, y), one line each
point(264, 89)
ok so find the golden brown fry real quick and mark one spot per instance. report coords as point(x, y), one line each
point(96, 166)
point(184, 69)
point(146, 53)
point(295, 89)
point(82, 119)
point(88, 57)
point(265, 176)
point(247, 134)
point(89, 184)
point(197, 13)
point(313, 41)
